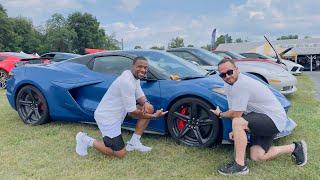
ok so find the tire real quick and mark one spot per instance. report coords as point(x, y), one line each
point(3, 79)
point(32, 106)
point(199, 129)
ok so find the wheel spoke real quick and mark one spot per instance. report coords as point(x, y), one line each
point(181, 116)
point(197, 133)
point(31, 95)
point(36, 111)
point(25, 103)
point(29, 114)
point(205, 122)
point(194, 110)
point(184, 131)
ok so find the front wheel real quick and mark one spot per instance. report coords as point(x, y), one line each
point(32, 106)
point(190, 122)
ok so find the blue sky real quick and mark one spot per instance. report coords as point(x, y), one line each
point(150, 22)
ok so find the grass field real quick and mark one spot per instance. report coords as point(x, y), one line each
point(48, 151)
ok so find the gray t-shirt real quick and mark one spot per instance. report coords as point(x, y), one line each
point(249, 95)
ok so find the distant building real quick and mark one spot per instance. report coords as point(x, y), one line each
point(307, 50)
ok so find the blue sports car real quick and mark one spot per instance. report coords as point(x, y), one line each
point(71, 90)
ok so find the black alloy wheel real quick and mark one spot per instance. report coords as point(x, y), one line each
point(3, 79)
point(190, 122)
point(32, 106)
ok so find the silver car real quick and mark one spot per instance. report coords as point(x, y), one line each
point(271, 73)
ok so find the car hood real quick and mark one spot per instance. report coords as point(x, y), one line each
point(269, 67)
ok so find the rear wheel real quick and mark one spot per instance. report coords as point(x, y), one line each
point(32, 106)
point(3, 79)
point(190, 122)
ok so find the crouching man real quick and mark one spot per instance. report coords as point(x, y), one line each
point(123, 97)
point(255, 109)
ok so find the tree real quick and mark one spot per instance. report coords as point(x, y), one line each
point(158, 48)
point(207, 47)
point(9, 40)
point(112, 43)
point(29, 38)
point(176, 43)
point(223, 39)
point(137, 47)
point(89, 33)
point(288, 37)
point(190, 45)
point(239, 40)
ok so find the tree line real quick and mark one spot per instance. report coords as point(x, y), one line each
point(64, 34)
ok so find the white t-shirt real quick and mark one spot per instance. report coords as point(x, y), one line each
point(249, 95)
point(119, 100)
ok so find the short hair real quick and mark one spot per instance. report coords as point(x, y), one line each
point(227, 60)
point(139, 58)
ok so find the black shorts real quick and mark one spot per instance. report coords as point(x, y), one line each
point(262, 129)
point(116, 143)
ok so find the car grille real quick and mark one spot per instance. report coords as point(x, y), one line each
point(294, 69)
point(287, 88)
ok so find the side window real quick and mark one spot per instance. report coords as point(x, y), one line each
point(47, 56)
point(189, 57)
point(111, 64)
point(59, 57)
point(2, 58)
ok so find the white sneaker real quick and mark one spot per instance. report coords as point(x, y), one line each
point(82, 143)
point(137, 146)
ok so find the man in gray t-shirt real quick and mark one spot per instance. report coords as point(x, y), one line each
point(124, 96)
point(254, 108)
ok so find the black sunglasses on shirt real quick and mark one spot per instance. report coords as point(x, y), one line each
point(229, 73)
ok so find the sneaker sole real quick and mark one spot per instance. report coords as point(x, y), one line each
point(78, 146)
point(238, 173)
point(305, 150)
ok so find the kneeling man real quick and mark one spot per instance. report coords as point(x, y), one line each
point(123, 97)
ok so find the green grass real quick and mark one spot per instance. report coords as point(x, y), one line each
point(48, 151)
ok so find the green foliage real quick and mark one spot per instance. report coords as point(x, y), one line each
point(72, 34)
point(288, 37)
point(239, 40)
point(207, 47)
point(176, 43)
point(190, 45)
point(137, 47)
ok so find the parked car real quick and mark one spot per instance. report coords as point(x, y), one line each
point(58, 56)
point(71, 91)
point(267, 70)
point(293, 68)
point(8, 61)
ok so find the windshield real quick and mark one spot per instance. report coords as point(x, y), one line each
point(172, 67)
point(213, 59)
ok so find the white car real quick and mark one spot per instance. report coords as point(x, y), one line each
point(293, 68)
point(271, 73)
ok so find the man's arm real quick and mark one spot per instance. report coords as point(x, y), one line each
point(228, 114)
point(143, 115)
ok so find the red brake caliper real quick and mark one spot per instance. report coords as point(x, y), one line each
point(181, 123)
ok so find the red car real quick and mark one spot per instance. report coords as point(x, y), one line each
point(8, 61)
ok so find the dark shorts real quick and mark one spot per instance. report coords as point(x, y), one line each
point(262, 129)
point(116, 143)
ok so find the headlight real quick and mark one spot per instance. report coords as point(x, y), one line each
point(219, 90)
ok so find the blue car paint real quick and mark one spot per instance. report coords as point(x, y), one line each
point(73, 92)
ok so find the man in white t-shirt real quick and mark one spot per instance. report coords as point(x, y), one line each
point(254, 108)
point(123, 97)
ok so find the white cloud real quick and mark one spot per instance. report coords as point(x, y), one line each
point(256, 15)
point(129, 5)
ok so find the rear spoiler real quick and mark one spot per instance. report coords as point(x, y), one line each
point(29, 61)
